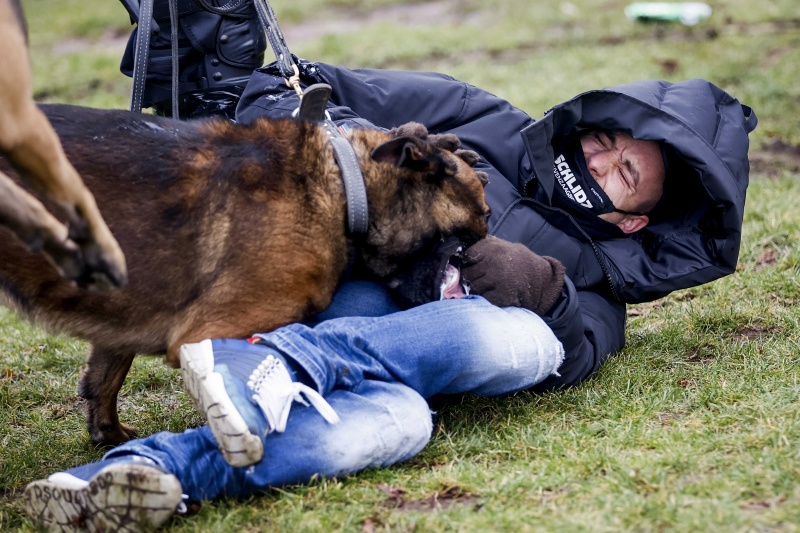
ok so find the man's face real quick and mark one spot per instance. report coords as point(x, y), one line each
point(630, 171)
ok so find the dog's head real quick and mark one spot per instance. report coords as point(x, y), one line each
point(424, 197)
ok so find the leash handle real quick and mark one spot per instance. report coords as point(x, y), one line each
point(277, 42)
point(141, 54)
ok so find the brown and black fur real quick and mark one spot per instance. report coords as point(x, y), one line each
point(230, 230)
point(80, 246)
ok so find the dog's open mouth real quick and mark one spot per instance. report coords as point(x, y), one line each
point(449, 280)
point(434, 274)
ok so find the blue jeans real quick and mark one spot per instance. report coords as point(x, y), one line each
point(376, 369)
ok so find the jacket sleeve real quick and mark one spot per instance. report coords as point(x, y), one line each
point(484, 122)
point(590, 327)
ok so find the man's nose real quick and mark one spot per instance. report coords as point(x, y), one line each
point(598, 165)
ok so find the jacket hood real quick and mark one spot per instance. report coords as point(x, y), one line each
point(695, 231)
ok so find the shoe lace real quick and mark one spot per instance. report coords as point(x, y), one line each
point(274, 391)
point(182, 508)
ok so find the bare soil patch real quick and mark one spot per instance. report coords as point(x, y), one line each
point(775, 157)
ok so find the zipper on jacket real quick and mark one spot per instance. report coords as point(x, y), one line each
point(607, 274)
point(598, 254)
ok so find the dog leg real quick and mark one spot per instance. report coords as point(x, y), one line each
point(100, 383)
point(38, 229)
point(29, 142)
point(38, 155)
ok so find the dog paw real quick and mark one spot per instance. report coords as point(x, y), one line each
point(100, 271)
point(468, 156)
point(445, 141)
point(102, 264)
point(410, 129)
point(113, 436)
point(66, 256)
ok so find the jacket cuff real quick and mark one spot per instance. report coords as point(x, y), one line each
point(554, 290)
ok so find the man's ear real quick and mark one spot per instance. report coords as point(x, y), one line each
point(633, 223)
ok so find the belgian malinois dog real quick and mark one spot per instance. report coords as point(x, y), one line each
point(81, 246)
point(231, 229)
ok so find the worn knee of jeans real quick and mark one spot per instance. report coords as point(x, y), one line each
point(512, 348)
point(386, 423)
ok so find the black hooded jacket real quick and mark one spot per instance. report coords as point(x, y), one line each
point(695, 230)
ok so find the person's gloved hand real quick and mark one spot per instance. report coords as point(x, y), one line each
point(510, 274)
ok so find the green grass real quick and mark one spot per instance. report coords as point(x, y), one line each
point(695, 426)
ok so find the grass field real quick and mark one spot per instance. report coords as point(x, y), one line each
point(694, 426)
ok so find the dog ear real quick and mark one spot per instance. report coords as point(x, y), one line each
point(405, 152)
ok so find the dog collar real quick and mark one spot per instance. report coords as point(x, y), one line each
point(354, 187)
point(312, 108)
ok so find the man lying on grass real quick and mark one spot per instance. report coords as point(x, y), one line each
point(617, 196)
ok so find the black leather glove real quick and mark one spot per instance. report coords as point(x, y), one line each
point(510, 274)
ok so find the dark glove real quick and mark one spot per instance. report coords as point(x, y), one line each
point(507, 274)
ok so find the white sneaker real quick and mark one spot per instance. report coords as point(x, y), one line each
point(246, 393)
point(126, 497)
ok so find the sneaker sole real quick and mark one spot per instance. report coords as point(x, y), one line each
point(123, 497)
point(238, 445)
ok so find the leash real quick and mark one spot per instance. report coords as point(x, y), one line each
point(312, 108)
point(284, 58)
point(143, 14)
point(144, 19)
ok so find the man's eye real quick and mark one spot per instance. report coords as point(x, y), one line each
point(625, 179)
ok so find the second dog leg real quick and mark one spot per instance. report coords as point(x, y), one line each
point(100, 382)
